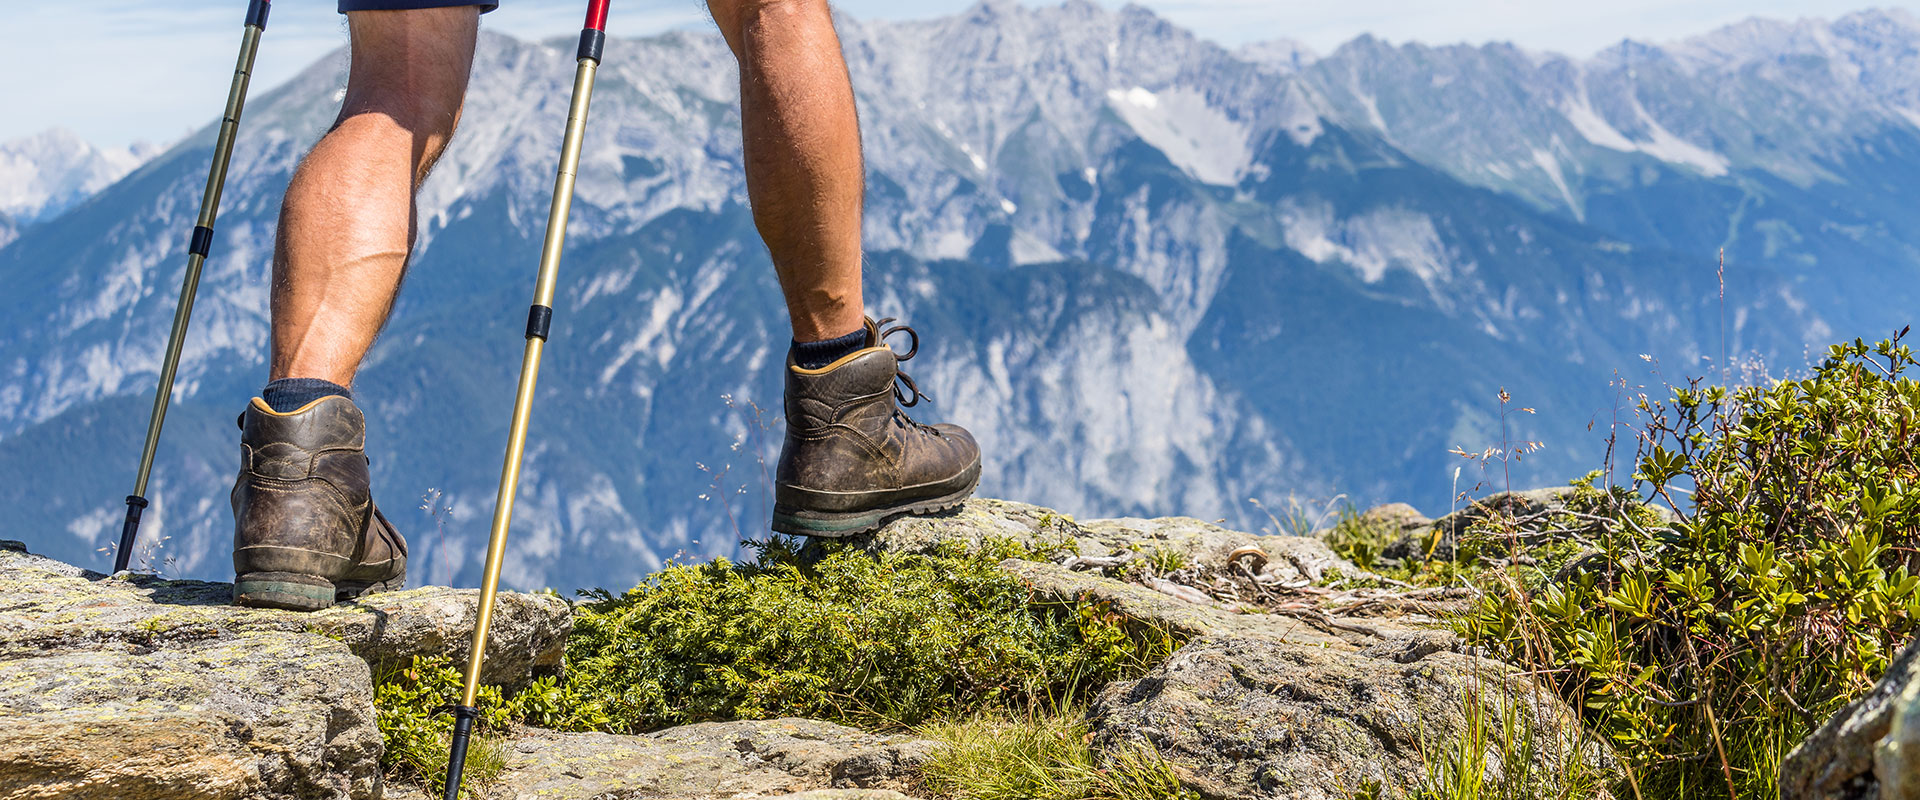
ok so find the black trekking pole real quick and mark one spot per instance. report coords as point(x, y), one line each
point(539, 318)
point(196, 257)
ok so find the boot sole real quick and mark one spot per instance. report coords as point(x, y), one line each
point(836, 525)
point(295, 592)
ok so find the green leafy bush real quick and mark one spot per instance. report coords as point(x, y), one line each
point(1358, 539)
point(874, 641)
point(1707, 648)
point(868, 640)
point(418, 735)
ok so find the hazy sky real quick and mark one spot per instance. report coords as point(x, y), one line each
point(117, 71)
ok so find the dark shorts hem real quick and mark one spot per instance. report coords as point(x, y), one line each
point(408, 5)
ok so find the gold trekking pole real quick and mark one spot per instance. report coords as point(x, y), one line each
point(197, 248)
point(539, 318)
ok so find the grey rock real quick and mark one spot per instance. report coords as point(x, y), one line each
point(1867, 750)
point(1293, 701)
point(1519, 504)
point(1262, 717)
point(835, 755)
point(1400, 516)
point(976, 523)
point(527, 635)
point(47, 605)
point(131, 686)
point(1418, 543)
point(980, 521)
point(1897, 760)
point(782, 757)
point(1534, 509)
point(264, 715)
point(1146, 607)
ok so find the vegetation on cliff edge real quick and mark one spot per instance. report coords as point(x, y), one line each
point(882, 642)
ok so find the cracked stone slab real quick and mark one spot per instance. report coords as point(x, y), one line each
point(135, 687)
point(265, 715)
point(47, 605)
point(1145, 606)
point(1193, 541)
point(1258, 717)
point(712, 761)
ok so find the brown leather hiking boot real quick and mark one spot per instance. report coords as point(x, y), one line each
point(852, 460)
point(305, 531)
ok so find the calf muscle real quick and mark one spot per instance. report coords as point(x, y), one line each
point(348, 222)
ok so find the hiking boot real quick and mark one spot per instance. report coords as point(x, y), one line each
point(305, 530)
point(852, 459)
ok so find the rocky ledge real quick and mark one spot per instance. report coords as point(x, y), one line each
point(1299, 677)
point(1290, 685)
point(136, 687)
point(781, 758)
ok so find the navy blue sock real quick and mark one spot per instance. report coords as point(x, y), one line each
point(814, 355)
point(289, 394)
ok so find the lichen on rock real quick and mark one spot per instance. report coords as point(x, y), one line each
point(1870, 749)
point(749, 759)
point(135, 687)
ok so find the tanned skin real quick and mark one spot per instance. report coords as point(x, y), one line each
point(349, 219)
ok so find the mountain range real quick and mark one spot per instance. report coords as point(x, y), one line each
point(1153, 274)
point(44, 174)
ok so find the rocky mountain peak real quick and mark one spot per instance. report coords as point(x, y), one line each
point(1282, 55)
point(43, 174)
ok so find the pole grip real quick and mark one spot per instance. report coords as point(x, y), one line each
point(463, 717)
point(591, 43)
point(129, 531)
point(257, 14)
point(593, 36)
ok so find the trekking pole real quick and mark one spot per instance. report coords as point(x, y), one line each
point(196, 257)
point(592, 37)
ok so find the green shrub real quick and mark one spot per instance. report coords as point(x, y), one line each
point(869, 640)
point(418, 734)
point(1705, 649)
point(874, 641)
point(1358, 539)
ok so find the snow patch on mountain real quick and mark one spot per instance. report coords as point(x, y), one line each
point(1193, 134)
point(1593, 127)
point(1551, 165)
point(660, 314)
point(43, 174)
point(1370, 243)
point(1029, 249)
point(1660, 143)
point(1664, 145)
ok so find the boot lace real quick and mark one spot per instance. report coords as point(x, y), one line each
point(906, 393)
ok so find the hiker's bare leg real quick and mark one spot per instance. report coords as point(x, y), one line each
point(348, 220)
point(802, 153)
